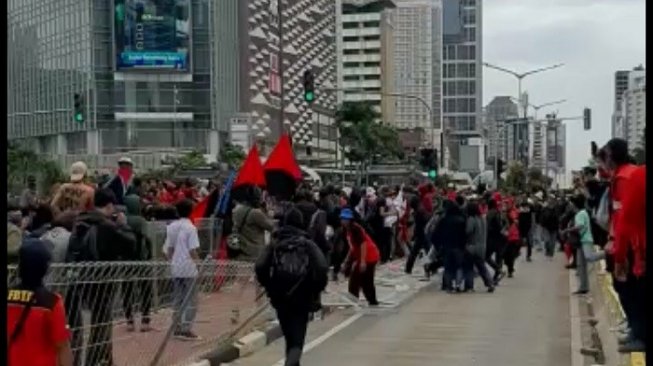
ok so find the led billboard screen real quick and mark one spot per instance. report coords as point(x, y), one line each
point(152, 34)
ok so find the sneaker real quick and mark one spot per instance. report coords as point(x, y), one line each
point(145, 328)
point(621, 327)
point(510, 275)
point(634, 345)
point(580, 292)
point(490, 289)
point(187, 336)
point(130, 326)
point(528, 259)
point(625, 338)
point(590, 352)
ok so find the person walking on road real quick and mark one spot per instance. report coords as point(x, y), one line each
point(450, 232)
point(496, 240)
point(293, 270)
point(362, 258)
point(475, 248)
point(420, 239)
point(513, 248)
point(549, 227)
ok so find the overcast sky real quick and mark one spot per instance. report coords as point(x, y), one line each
point(593, 38)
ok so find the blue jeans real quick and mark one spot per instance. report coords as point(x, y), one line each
point(584, 256)
point(185, 303)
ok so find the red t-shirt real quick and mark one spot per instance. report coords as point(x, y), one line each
point(44, 328)
point(513, 233)
point(372, 252)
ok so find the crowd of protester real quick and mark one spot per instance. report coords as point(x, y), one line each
point(347, 231)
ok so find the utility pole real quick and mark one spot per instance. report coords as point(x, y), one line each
point(281, 68)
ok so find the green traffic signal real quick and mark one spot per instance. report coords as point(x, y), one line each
point(433, 173)
point(79, 117)
point(309, 96)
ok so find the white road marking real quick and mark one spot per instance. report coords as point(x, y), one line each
point(330, 333)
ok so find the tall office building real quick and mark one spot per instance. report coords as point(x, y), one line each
point(266, 83)
point(500, 109)
point(417, 58)
point(462, 74)
point(556, 149)
point(629, 117)
point(141, 72)
point(365, 53)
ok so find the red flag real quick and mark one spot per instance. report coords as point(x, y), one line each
point(282, 159)
point(199, 210)
point(252, 171)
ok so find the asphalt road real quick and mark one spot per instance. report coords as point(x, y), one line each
point(525, 322)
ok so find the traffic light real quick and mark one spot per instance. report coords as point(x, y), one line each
point(587, 119)
point(309, 86)
point(78, 111)
point(429, 162)
point(500, 167)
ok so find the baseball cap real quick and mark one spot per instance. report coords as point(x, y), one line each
point(33, 261)
point(125, 160)
point(346, 214)
point(78, 171)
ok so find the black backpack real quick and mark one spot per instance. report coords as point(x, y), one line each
point(82, 246)
point(290, 267)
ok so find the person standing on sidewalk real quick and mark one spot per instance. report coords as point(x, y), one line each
point(585, 250)
point(293, 270)
point(36, 320)
point(362, 258)
point(142, 283)
point(628, 231)
point(99, 235)
point(181, 245)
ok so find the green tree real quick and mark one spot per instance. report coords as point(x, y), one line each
point(365, 140)
point(516, 178)
point(191, 160)
point(232, 155)
point(537, 181)
point(22, 163)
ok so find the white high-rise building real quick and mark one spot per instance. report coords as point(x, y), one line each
point(417, 60)
point(629, 117)
point(365, 50)
point(633, 109)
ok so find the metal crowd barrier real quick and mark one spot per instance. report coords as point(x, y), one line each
point(100, 296)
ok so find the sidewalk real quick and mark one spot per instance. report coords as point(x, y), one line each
point(215, 311)
point(213, 324)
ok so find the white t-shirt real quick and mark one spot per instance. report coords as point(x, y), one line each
point(181, 236)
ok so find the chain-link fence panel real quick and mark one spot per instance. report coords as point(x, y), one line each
point(135, 313)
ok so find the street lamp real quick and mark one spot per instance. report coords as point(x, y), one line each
point(538, 107)
point(521, 76)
